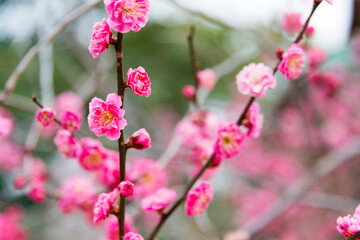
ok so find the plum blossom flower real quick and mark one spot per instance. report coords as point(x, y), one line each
point(189, 92)
point(291, 22)
point(316, 56)
point(133, 236)
point(230, 140)
point(253, 120)
point(37, 173)
point(350, 224)
point(93, 154)
point(6, 123)
point(10, 228)
point(207, 78)
point(292, 62)
point(198, 200)
point(104, 205)
point(138, 81)
point(108, 173)
point(45, 116)
point(20, 181)
point(11, 156)
point(77, 192)
point(126, 15)
point(139, 140)
point(126, 188)
point(158, 200)
point(70, 121)
point(106, 118)
point(67, 144)
point(255, 79)
point(100, 39)
point(112, 227)
point(69, 101)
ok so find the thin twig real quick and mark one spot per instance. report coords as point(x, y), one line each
point(194, 63)
point(121, 144)
point(14, 77)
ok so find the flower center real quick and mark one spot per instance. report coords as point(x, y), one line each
point(107, 117)
point(226, 140)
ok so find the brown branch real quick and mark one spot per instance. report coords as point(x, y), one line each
point(353, 237)
point(20, 68)
point(121, 144)
point(194, 63)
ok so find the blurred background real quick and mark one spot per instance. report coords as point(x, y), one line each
point(304, 165)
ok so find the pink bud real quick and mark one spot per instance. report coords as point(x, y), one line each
point(139, 140)
point(20, 181)
point(188, 91)
point(126, 188)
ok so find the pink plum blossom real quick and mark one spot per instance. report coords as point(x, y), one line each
point(126, 15)
point(93, 154)
point(291, 22)
point(77, 192)
point(255, 79)
point(45, 116)
point(106, 118)
point(20, 181)
point(293, 62)
point(100, 39)
point(6, 122)
point(138, 81)
point(133, 236)
point(70, 121)
point(10, 228)
point(206, 78)
point(103, 206)
point(198, 200)
point(139, 140)
point(37, 173)
point(189, 92)
point(348, 225)
point(108, 173)
point(148, 175)
point(69, 101)
point(253, 120)
point(158, 200)
point(67, 144)
point(126, 188)
point(316, 56)
point(230, 140)
point(11, 156)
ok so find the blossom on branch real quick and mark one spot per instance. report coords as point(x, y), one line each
point(139, 140)
point(106, 118)
point(350, 224)
point(103, 206)
point(45, 116)
point(158, 200)
point(253, 121)
point(133, 236)
point(138, 81)
point(255, 79)
point(206, 79)
point(67, 144)
point(230, 140)
point(100, 39)
point(198, 200)
point(293, 62)
point(70, 121)
point(126, 188)
point(126, 15)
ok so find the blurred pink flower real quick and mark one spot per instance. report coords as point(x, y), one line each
point(10, 228)
point(93, 154)
point(20, 181)
point(100, 39)
point(45, 116)
point(158, 200)
point(112, 227)
point(291, 22)
point(70, 121)
point(11, 156)
point(126, 15)
point(6, 122)
point(293, 62)
point(37, 175)
point(69, 101)
point(133, 236)
point(207, 78)
point(316, 56)
point(106, 118)
point(104, 205)
point(139, 140)
point(139, 82)
point(108, 173)
point(198, 199)
point(255, 79)
point(67, 144)
point(188, 91)
point(230, 140)
point(148, 176)
point(77, 192)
